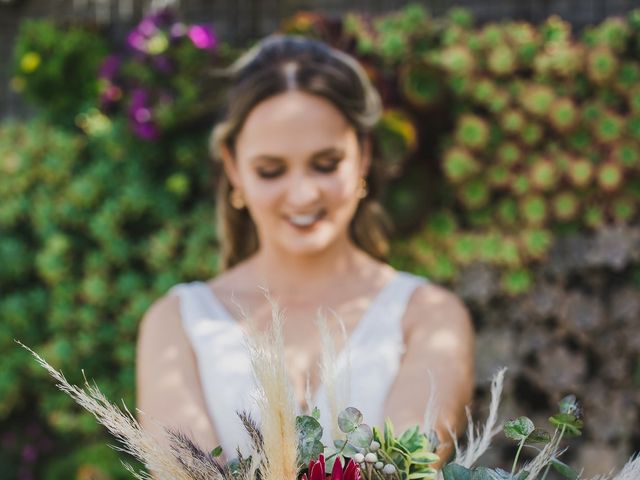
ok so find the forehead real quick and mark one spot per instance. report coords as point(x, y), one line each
point(293, 123)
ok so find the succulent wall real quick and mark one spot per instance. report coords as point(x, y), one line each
point(523, 132)
point(512, 154)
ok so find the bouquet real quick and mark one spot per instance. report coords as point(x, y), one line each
point(289, 447)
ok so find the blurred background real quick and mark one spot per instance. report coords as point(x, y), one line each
point(510, 144)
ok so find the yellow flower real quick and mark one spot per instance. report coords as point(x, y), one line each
point(30, 61)
point(157, 44)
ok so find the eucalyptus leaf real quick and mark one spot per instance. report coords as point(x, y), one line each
point(349, 419)
point(539, 436)
point(361, 436)
point(518, 429)
point(572, 426)
point(453, 471)
point(563, 469)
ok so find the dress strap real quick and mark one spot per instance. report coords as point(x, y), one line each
point(224, 365)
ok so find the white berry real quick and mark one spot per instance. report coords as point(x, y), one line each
point(371, 458)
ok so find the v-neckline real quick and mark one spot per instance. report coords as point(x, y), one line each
point(368, 312)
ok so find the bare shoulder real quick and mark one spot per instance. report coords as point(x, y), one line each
point(161, 318)
point(432, 306)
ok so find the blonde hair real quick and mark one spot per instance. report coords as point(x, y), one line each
point(281, 63)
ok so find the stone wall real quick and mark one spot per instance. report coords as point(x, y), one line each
point(578, 331)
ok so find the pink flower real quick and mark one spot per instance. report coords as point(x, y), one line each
point(317, 470)
point(202, 36)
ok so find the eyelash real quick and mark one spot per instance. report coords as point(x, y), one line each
point(321, 168)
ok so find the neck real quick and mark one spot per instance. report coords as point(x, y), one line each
point(294, 278)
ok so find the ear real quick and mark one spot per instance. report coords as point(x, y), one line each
point(229, 165)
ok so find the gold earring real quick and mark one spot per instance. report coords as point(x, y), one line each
point(236, 200)
point(362, 188)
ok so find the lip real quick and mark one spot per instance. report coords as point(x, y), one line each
point(321, 215)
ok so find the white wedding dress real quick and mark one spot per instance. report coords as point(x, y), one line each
point(375, 348)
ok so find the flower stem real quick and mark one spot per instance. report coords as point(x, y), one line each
point(515, 461)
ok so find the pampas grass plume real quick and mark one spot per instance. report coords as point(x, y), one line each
point(276, 401)
point(156, 457)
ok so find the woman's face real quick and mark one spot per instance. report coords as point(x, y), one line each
point(298, 163)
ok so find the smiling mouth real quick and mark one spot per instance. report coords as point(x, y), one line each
point(305, 221)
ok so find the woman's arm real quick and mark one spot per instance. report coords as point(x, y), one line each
point(440, 344)
point(168, 387)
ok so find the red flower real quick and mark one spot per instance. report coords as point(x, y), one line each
point(317, 470)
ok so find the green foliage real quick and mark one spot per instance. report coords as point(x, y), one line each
point(56, 68)
point(91, 235)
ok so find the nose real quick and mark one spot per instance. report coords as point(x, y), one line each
point(303, 191)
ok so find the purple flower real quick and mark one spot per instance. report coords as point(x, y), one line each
point(202, 36)
point(177, 30)
point(137, 41)
point(29, 453)
point(146, 131)
point(110, 66)
point(141, 116)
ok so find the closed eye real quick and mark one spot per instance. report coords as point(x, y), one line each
point(328, 165)
point(270, 173)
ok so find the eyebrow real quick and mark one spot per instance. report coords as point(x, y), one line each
point(319, 154)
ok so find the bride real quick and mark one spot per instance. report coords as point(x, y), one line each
point(297, 217)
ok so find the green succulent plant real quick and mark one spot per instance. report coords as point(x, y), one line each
point(532, 134)
point(556, 30)
point(472, 132)
point(516, 282)
point(533, 209)
point(459, 164)
point(502, 60)
point(507, 212)
point(460, 17)
point(457, 60)
point(491, 36)
point(565, 206)
point(627, 153)
point(499, 176)
point(610, 176)
point(613, 33)
point(521, 184)
point(633, 96)
point(628, 77)
point(544, 174)
point(602, 65)
point(609, 128)
point(512, 121)
point(535, 242)
point(537, 99)
point(474, 194)
point(623, 208)
point(633, 127)
point(580, 172)
point(509, 153)
point(422, 85)
point(563, 114)
point(594, 216)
